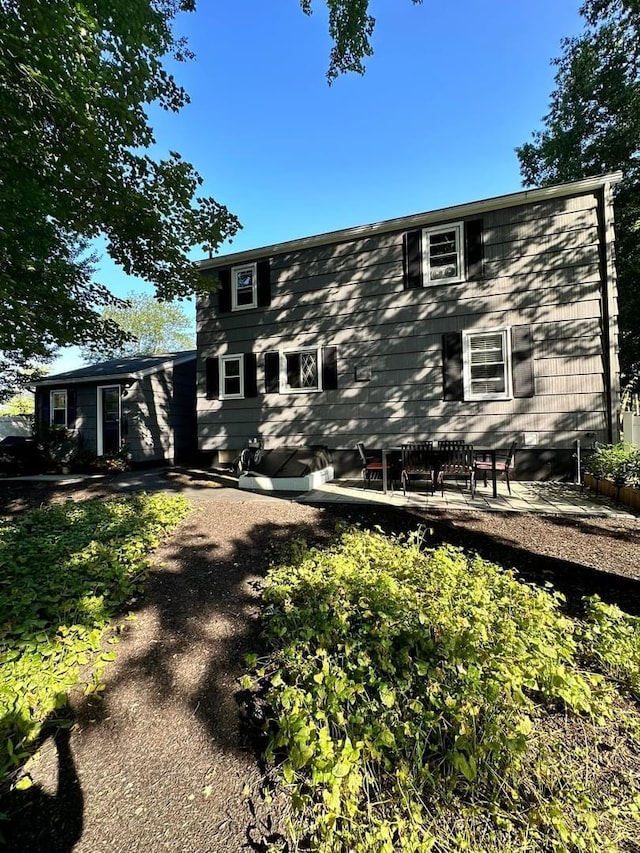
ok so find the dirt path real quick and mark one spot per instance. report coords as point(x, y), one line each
point(159, 762)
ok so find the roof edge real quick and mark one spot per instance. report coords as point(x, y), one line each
point(418, 219)
point(68, 379)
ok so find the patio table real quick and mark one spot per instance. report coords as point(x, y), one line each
point(438, 456)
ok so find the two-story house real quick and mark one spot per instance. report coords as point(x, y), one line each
point(490, 321)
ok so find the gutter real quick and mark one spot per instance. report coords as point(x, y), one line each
point(406, 223)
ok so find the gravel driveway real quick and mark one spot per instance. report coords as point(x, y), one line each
point(160, 762)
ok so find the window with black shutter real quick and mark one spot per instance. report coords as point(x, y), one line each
point(443, 254)
point(488, 364)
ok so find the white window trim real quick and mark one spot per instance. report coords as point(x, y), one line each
point(458, 227)
point(66, 406)
point(99, 425)
point(505, 331)
point(223, 359)
point(284, 387)
point(234, 286)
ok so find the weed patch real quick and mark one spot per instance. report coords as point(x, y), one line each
point(428, 700)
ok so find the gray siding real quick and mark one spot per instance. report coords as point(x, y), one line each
point(542, 268)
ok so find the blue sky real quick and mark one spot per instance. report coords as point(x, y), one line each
point(451, 90)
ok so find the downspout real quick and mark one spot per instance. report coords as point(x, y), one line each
point(609, 299)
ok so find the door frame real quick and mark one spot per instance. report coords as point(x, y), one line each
point(100, 423)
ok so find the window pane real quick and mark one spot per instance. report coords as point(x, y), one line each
point(302, 370)
point(59, 399)
point(443, 255)
point(309, 370)
point(232, 368)
point(487, 369)
point(111, 403)
point(244, 287)
point(232, 386)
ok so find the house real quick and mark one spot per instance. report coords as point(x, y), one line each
point(490, 321)
point(146, 403)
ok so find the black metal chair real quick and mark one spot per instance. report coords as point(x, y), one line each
point(417, 462)
point(456, 463)
point(503, 465)
point(372, 466)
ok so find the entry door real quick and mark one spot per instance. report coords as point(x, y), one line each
point(108, 420)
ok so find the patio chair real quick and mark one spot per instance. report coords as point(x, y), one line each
point(372, 467)
point(417, 461)
point(503, 465)
point(456, 463)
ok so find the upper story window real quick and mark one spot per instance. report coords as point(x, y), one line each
point(301, 370)
point(486, 365)
point(58, 408)
point(231, 377)
point(244, 287)
point(443, 253)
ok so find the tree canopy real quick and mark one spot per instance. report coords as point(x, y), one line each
point(350, 28)
point(149, 326)
point(593, 126)
point(75, 81)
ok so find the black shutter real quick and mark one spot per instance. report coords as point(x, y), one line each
point(72, 398)
point(329, 368)
point(213, 378)
point(522, 361)
point(44, 406)
point(412, 248)
point(264, 283)
point(250, 377)
point(474, 249)
point(272, 372)
point(453, 385)
point(224, 294)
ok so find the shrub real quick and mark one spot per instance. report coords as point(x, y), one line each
point(619, 462)
point(410, 694)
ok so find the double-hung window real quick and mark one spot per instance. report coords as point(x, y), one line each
point(58, 408)
point(487, 364)
point(231, 377)
point(443, 254)
point(301, 370)
point(244, 287)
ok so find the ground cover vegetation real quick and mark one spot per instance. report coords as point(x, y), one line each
point(65, 572)
point(592, 127)
point(425, 699)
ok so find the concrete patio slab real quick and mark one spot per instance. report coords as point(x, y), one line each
point(550, 498)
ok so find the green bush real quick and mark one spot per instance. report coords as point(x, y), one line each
point(619, 462)
point(410, 693)
point(64, 572)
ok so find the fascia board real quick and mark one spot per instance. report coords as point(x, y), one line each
point(132, 375)
point(417, 220)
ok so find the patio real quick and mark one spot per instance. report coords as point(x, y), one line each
point(538, 497)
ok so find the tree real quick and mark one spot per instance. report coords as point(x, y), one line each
point(149, 326)
point(76, 77)
point(593, 126)
point(20, 404)
point(350, 28)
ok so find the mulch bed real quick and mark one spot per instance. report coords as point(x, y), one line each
point(161, 761)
